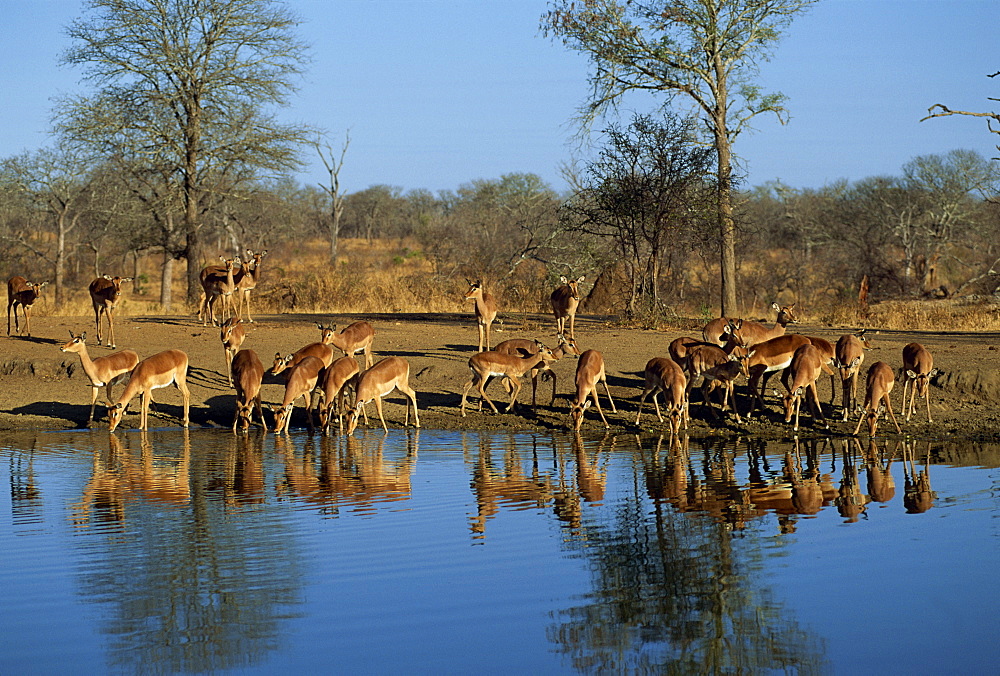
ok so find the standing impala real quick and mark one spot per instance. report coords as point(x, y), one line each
point(768, 357)
point(336, 379)
point(850, 355)
point(161, 370)
point(392, 373)
point(485, 308)
point(524, 347)
point(322, 352)
point(665, 375)
point(104, 294)
point(248, 282)
point(918, 369)
point(246, 372)
point(355, 338)
point(717, 330)
point(301, 381)
point(589, 372)
point(24, 293)
point(217, 285)
point(802, 373)
point(877, 388)
point(232, 336)
point(717, 369)
point(565, 300)
point(105, 371)
point(487, 365)
point(748, 333)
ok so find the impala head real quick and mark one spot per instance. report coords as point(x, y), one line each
point(281, 414)
point(230, 263)
point(786, 314)
point(244, 413)
point(789, 402)
point(475, 290)
point(115, 414)
point(574, 285)
point(280, 363)
point(846, 370)
point(576, 413)
point(76, 343)
point(254, 258)
point(568, 345)
point(742, 355)
point(326, 333)
point(353, 414)
point(228, 327)
point(865, 340)
point(544, 352)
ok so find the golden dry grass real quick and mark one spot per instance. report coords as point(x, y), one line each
point(394, 276)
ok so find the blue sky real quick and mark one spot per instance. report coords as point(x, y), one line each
point(440, 93)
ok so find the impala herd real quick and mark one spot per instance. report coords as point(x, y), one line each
point(341, 387)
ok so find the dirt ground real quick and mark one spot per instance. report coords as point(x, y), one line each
point(46, 389)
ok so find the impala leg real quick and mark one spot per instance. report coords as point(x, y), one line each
point(111, 327)
point(888, 406)
point(612, 401)
point(378, 407)
point(656, 404)
point(597, 405)
point(642, 400)
point(515, 390)
point(411, 396)
point(927, 399)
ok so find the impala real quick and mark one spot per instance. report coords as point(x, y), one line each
point(246, 373)
point(105, 371)
point(803, 372)
point(485, 309)
point(665, 375)
point(217, 284)
point(487, 365)
point(877, 388)
point(589, 372)
point(232, 335)
point(104, 294)
point(767, 357)
point(248, 282)
point(850, 355)
point(24, 293)
point(300, 382)
point(565, 300)
point(322, 352)
point(748, 333)
point(717, 331)
point(524, 347)
point(918, 369)
point(392, 373)
point(355, 338)
point(338, 376)
point(680, 348)
point(827, 360)
point(161, 370)
point(717, 368)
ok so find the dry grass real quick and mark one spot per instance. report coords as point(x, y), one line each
point(394, 276)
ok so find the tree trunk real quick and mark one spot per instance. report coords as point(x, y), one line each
point(727, 226)
point(166, 281)
point(192, 252)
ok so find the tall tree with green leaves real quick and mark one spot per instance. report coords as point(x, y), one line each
point(705, 51)
point(190, 86)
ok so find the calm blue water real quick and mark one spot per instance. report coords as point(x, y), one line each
point(447, 552)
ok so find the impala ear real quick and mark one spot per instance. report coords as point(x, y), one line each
point(127, 279)
point(82, 336)
point(563, 279)
point(911, 374)
point(106, 276)
point(775, 306)
point(581, 278)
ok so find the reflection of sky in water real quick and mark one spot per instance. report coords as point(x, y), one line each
point(471, 552)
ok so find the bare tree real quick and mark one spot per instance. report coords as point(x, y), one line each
point(941, 110)
point(189, 84)
point(704, 50)
point(333, 166)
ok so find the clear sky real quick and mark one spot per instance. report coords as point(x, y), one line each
point(439, 93)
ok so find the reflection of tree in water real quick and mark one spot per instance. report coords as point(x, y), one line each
point(674, 592)
point(187, 587)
